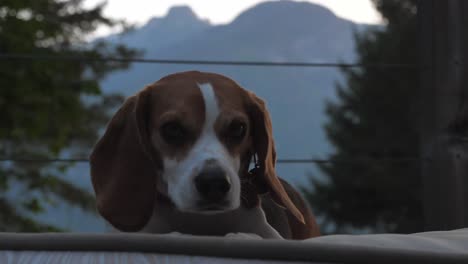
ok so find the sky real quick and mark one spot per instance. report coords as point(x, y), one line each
point(223, 11)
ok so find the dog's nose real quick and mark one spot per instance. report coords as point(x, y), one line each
point(212, 184)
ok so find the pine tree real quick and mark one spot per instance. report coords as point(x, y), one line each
point(374, 117)
point(49, 107)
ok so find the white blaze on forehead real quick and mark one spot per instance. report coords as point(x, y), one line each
point(209, 146)
point(211, 105)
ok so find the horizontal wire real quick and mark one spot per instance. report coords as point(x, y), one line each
point(26, 56)
point(285, 161)
point(43, 160)
point(354, 160)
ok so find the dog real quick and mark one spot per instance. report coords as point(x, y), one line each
point(176, 157)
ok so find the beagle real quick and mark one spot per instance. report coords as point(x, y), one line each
point(176, 156)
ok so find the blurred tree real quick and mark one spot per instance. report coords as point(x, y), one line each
point(49, 107)
point(374, 116)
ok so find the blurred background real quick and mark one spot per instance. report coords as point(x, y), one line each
point(340, 78)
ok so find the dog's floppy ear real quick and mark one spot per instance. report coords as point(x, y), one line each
point(264, 148)
point(124, 166)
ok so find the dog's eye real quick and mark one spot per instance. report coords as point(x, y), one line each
point(236, 130)
point(174, 133)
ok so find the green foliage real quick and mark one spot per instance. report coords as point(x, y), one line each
point(49, 107)
point(374, 117)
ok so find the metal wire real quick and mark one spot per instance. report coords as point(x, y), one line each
point(284, 161)
point(27, 56)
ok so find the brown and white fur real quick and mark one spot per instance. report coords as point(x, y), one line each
point(176, 156)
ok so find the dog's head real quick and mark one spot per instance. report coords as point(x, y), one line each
point(189, 137)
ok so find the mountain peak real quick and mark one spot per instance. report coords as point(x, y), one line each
point(181, 11)
point(271, 11)
point(180, 22)
point(178, 18)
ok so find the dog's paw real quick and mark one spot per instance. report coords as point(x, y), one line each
point(242, 236)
